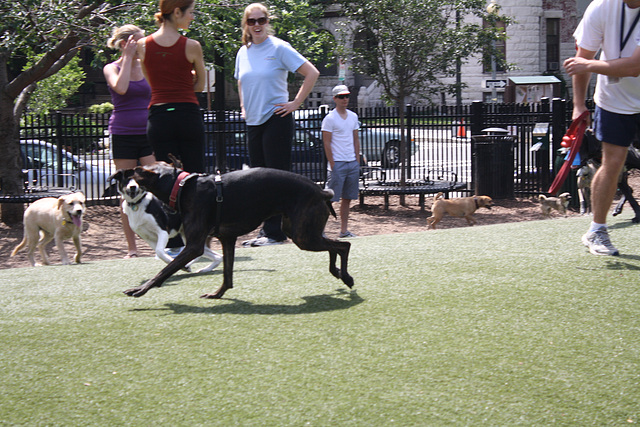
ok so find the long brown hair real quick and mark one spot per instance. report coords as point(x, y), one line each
point(246, 34)
point(166, 8)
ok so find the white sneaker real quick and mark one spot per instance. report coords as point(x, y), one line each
point(598, 243)
point(346, 234)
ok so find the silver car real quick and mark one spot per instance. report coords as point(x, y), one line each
point(378, 144)
point(44, 169)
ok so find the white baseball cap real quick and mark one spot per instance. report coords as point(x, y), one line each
point(340, 90)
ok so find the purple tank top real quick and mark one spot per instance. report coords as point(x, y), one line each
point(129, 116)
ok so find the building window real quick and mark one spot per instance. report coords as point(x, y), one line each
point(553, 44)
point(487, 97)
point(501, 48)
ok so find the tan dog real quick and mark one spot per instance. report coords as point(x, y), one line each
point(461, 207)
point(584, 177)
point(559, 203)
point(52, 218)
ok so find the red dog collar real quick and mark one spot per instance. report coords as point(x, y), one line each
point(176, 188)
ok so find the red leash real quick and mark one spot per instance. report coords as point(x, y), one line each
point(575, 133)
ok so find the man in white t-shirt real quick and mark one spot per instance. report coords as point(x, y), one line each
point(342, 147)
point(610, 26)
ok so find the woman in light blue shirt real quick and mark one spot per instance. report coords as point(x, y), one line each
point(262, 67)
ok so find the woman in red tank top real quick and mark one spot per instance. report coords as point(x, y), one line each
point(174, 67)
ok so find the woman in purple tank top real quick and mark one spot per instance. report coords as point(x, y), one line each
point(130, 94)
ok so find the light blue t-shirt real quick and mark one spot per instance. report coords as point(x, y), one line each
point(262, 70)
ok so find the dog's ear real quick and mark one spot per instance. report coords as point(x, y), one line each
point(117, 176)
point(175, 161)
point(61, 201)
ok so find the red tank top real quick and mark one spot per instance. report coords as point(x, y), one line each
point(169, 72)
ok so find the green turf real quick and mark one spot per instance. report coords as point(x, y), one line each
point(511, 324)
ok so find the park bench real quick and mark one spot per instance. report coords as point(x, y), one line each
point(38, 185)
point(373, 182)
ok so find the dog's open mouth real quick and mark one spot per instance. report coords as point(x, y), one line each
point(77, 219)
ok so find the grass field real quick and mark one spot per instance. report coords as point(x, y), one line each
point(512, 324)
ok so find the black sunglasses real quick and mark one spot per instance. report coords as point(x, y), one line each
point(260, 21)
point(342, 96)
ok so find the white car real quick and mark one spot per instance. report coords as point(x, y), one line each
point(44, 169)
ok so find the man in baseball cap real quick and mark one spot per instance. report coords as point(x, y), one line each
point(342, 147)
point(341, 90)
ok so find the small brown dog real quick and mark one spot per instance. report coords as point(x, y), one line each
point(584, 177)
point(461, 207)
point(51, 218)
point(559, 203)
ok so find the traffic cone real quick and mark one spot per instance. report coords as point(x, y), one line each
point(461, 132)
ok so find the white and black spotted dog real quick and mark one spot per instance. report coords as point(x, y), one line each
point(150, 219)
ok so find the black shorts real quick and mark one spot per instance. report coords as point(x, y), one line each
point(178, 128)
point(130, 146)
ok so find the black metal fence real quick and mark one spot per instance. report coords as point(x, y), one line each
point(437, 138)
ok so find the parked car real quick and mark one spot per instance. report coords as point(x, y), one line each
point(378, 144)
point(42, 169)
point(382, 145)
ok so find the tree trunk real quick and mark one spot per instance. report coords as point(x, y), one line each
point(11, 181)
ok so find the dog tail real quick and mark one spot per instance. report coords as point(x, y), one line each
point(542, 197)
point(328, 195)
point(438, 196)
point(20, 246)
point(331, 210)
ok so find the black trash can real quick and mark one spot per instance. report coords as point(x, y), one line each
point(493, 165)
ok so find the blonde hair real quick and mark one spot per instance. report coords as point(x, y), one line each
point(246, 34)
point(122, 33)
point(166, 8)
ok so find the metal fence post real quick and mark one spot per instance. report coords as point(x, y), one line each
point(477, 124)
point(558, 126)
point(58, 141)
point(477, 119)
point(219, 132)
point(407, 139)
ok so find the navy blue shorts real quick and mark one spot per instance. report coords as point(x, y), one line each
point(614, 128)
point(131, 147)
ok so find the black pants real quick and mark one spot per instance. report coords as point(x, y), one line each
point(178, 129)
point(270, 146)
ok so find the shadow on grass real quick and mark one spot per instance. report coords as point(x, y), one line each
point(341, 300)
point(622, 225)
point(183, 274)
point(617, 263)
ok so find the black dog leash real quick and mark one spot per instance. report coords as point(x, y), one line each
point(219, 200)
